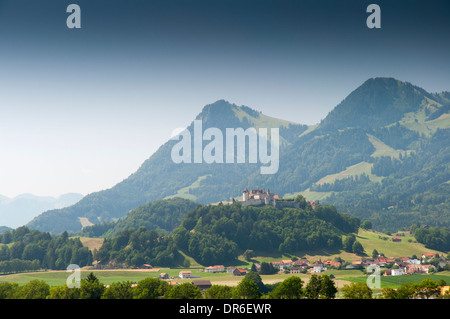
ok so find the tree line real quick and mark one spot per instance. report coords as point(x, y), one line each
point(250, 287)
point(25, 249)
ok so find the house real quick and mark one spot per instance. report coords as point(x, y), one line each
point(185, 274)
point(239, 272)
point(146, 266)
point(202, 284)
point(398, 272)
point(314, 204)
point(296, 270)
point(332, 263)
point(367, 262)
point(428, 255)
point(216, 268)
point(231, 269)
point(163, 275)
point(396, 239)
point(413, 261)
point(318, 267)
point(283, 264)
point(413, 268)
point(427, 269)
point(301, 262)
point(390, 260)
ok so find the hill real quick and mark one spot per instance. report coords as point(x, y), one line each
point(392, 131)
point(161, 215)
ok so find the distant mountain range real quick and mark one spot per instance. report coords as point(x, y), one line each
point(20, 210)
point(382, 154)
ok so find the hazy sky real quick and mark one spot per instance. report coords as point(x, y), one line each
point(81, 109)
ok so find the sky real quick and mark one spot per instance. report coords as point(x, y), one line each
point(82, 109)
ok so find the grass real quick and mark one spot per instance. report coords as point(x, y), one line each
point(92, 243)
point(416, 121)
point(371, 240)
point(396, 281)
point(382, 149)
point(184, 192)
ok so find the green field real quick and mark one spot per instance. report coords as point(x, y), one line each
point(369, 239)
point(396, 281)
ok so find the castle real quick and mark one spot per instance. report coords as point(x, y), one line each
point(257, 197)
point(260, 197)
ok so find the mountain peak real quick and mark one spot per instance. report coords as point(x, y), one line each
point(377, 102)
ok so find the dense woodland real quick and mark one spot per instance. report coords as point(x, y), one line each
point(25, 249)
point(218, 234)
point(137, 247)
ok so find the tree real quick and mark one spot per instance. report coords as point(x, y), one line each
point(367, 224)
point(375, 254)
point(184, 291)
point(150, 288)
point(357, 248)
point(253, 275)
point(329, 289)
point(290, 288)
point(64, 292)
point(246, 289)
point(320, 287)
point(91, 287)
point(119, 290)
point(35, 289)
point(427, 289)
point(301, 201)
point(347, 242)
point(267, 269)
point(356, 290)
point(219, 292)
point(8, 290)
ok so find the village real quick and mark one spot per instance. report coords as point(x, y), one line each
point(427, 263)
point(392, 266)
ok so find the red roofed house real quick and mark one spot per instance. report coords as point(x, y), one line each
point(239, 272)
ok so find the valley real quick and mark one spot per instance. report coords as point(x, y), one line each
point(367, 186)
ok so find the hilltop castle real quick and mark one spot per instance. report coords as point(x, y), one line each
point(260, 197)
point(257, 197)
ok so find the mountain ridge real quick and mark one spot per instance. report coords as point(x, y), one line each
point(308, 153)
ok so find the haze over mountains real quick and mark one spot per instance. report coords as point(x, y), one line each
point(20, 210)
point(381, 154)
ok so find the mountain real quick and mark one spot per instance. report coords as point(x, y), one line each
point(20, 210)
point(381, 154)
point(376, 103)
point(159, 177)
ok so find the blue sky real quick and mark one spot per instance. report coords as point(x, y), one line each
point(80, 110)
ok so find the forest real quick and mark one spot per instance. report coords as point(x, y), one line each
point(218, 234)
point(25, 249)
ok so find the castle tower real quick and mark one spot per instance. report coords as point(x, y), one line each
point(245, 195)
